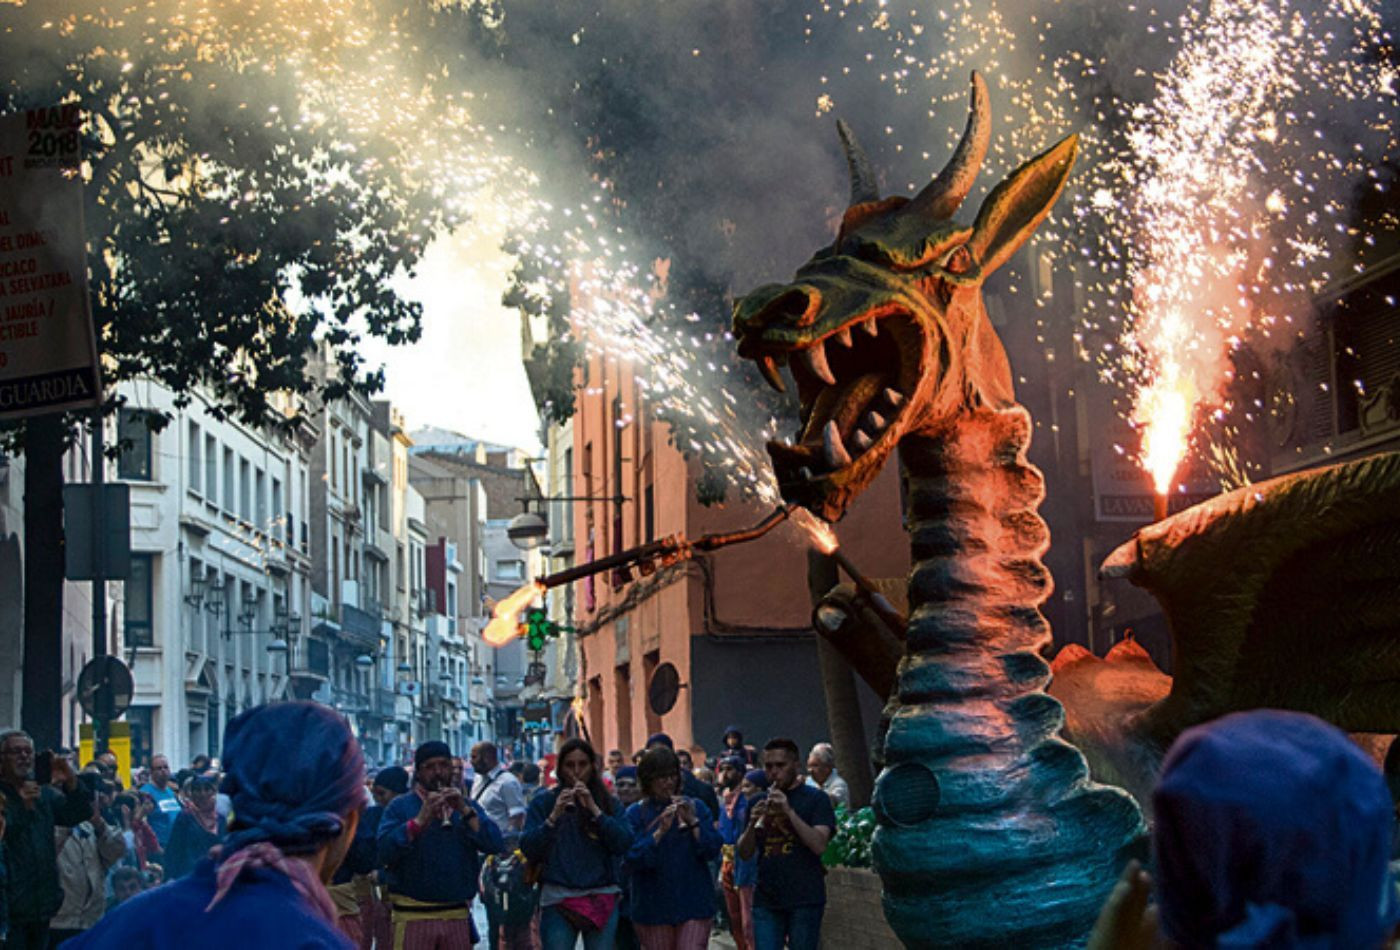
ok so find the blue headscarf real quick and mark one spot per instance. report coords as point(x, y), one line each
point(292, 771)
point(1273, 830)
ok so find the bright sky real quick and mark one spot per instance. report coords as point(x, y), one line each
point(465, 372)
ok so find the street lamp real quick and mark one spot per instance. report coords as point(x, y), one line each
point(529, 529)
point(195, 597)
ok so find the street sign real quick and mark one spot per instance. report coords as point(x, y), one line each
point(535, 710)
point(48, 350)
point(664, 689)
point(77, 531)
point(104, 688)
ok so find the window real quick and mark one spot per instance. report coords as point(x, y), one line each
point(335, 456)
point(650, 516)
point(135, 440)
point(245, 490)
point(510, 570)
point(284, 529)
point(260, 501)
point(211, 469)
point(196, 466)
point(230, 488)
point(139, 601)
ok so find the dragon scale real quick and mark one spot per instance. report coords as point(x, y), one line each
point(991, 833)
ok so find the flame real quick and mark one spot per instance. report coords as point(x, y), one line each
point(505, 616)
point(823, 535)
point(1164, 410)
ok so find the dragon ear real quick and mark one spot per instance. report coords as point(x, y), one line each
point(1016, 206)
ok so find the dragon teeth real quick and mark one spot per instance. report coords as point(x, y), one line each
point(874, 421)
point(862, 441)
point(894, 397)
point(843, 336)
point(768, 366)
point(833, 449)
point(814, 358)
point(871, 327)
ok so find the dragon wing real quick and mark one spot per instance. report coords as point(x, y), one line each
point(1284, 594)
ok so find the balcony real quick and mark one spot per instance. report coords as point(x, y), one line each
point(378, 703)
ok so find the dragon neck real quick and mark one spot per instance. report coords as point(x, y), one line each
point(976, 537)
point(981, 803)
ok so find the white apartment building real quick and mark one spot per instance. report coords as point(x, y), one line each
point(214, 615)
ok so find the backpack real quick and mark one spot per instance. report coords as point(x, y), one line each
point(510, 884)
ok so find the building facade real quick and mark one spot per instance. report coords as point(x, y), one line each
point(735, 625)
point(214, 615)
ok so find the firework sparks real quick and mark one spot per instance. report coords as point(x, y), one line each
point(1206, 219)
point(504, 625)
point(821, 534)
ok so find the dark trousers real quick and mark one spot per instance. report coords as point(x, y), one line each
point(28, 935)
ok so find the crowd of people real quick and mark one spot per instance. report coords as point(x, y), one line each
point(1271, 830)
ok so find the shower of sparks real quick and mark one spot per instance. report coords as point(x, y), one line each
point(1212, 225)
point(1200, 224)
point(821, 534)
point(1200, 218)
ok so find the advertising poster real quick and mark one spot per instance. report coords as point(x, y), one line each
point(48, 353)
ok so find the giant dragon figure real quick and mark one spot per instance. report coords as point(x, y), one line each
point(991, 830)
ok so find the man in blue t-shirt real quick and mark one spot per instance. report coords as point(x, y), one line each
point(788, 829)
point(162, 818)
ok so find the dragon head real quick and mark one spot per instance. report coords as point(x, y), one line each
point(885, 331)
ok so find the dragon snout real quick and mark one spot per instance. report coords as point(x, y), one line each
point(789, 306)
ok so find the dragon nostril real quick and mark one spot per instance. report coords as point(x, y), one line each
point(795, 307)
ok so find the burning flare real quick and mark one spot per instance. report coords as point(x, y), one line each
point(1164, 410)
point(505, 616)
point(822, 535)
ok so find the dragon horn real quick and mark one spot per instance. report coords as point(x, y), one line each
point(863, 186)
point(941, 197)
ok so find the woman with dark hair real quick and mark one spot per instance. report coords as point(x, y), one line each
point(197, 829)
point(673, 842)
point(576, 832)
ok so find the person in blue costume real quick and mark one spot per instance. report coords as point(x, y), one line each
point(673, 841)
point(576, 832)
point(430, 846)
point(690, 785)
point(296, 779)
point(362, 916)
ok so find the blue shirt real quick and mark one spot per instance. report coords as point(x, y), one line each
point(363, 856)
point(263, 910)
point(730, 829)
point(441, 864)
point(579, 852)
point(671, 878)
point(790, 874)
point(162, 818)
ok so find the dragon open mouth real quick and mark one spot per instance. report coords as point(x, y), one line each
point(854, 384)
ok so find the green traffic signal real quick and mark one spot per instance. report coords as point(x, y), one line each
point(539, 628)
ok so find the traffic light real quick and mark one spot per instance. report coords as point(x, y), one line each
point(538, 628)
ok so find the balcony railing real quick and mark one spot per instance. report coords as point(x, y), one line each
point(376, 702)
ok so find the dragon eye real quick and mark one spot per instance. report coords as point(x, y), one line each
point(957, 261)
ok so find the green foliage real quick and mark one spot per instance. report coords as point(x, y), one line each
point(235, 215)
point(850, 845)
